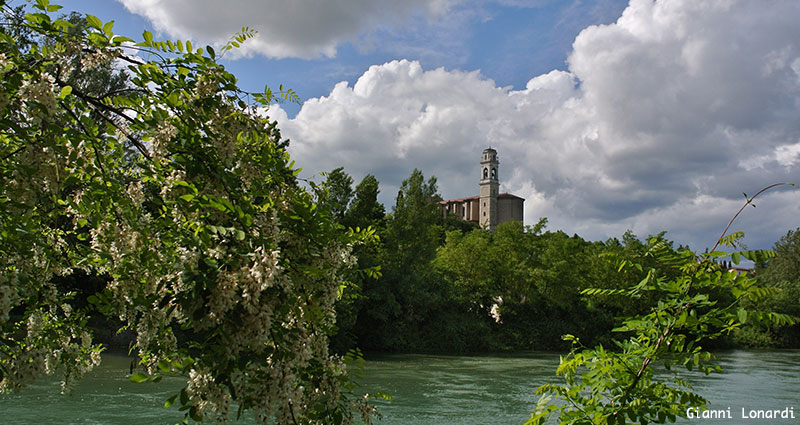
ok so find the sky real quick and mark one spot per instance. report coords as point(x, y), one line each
point(607, 115)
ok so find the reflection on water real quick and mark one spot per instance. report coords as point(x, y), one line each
point(438, 390)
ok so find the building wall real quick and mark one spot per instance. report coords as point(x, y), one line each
point(466, 209)
point(488, 205)
point(509, 209)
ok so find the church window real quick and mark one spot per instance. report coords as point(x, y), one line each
point(494, 173)
point(485, 173)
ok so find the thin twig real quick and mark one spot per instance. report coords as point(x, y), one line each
point(748, 202)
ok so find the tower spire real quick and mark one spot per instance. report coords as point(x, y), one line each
point(490, 186)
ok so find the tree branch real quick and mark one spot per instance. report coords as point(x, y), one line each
point(98, 105)
point(748, 202)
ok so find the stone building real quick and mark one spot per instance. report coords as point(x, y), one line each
point(490, 208)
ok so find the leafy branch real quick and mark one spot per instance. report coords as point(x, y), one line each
point(700, 302)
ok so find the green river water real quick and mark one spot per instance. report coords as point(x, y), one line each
point(437, 390)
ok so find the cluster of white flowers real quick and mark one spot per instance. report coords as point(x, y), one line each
point(150, 324)
point(273, 389)
point(69, 356)
point(23, 368)
point(246, 288)
point(4, 63)
point(211, 399)
point(135, 193)
point(168, 185)
point(43, 92)
point(164, 133)
point(47, 347)
point(25, 187)
point(207, 84)
point(98, 57)
point(494, 312)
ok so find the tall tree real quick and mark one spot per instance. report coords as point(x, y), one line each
point(337, 192)
point(405, 299)
point(365, 210)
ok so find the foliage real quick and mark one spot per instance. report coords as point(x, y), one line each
point(337, 192)
point(365, 210)
point(698, 302)
point(783, 272)
point(185, 199)
point(781, 275)
point(406, 294)
point(358, 211)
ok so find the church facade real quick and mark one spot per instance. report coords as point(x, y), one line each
point(489, 208)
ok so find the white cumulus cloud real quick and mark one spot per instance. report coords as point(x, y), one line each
point(661, 121)
point(286, 28)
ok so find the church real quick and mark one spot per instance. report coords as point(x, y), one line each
point(490, 208)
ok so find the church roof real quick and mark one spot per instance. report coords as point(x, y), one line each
point(473, 198)
point(508, 195)
point(468, 198)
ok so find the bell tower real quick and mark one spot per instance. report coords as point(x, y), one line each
point(490, 186)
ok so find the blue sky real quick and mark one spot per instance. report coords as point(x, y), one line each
point(607, 115)
point(506, 43)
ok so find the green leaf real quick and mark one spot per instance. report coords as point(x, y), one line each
point(138, 377)
point(94, 22)
point(742, 315)
point(170, 401)
point(98, 39)
point(65, 91)
point(736, 258)
point(148, 38)
point(108, 27)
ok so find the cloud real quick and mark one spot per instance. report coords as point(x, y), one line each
point(662, 120)
point(286, 28)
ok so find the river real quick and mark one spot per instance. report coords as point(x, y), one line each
point(437, 390)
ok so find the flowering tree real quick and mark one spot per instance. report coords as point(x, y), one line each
point(185, 199)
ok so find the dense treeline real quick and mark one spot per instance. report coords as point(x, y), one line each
point(444, 285)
